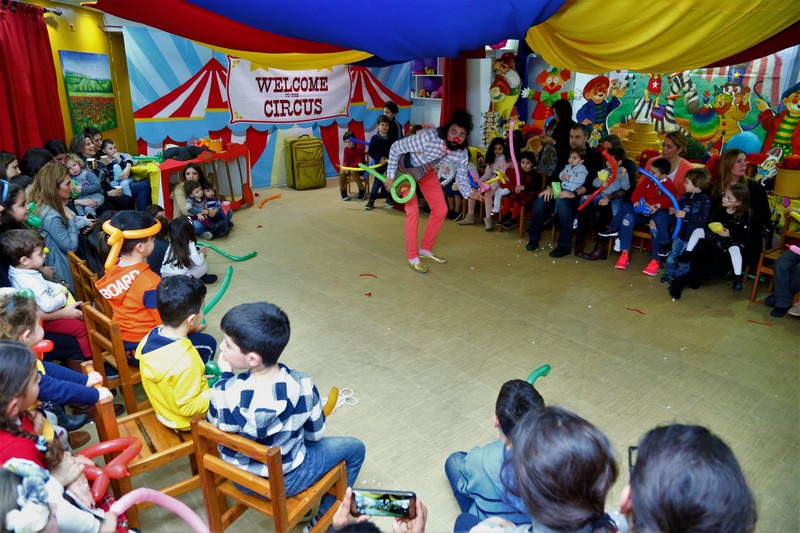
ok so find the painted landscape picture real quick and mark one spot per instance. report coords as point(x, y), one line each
point(87, 78)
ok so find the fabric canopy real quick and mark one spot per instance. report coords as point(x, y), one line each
point(658, 35)
point(581, 35)
point(182, 18)
point(392, 30)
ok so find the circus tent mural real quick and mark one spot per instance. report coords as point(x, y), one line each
point(179, 95)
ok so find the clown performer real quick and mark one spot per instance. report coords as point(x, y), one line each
point(596, 109)
point(423, 152)
point(782, 129)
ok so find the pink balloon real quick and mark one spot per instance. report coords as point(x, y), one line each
point(162, 500)
point(511, 148)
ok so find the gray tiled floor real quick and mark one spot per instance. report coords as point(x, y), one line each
point(426, 354)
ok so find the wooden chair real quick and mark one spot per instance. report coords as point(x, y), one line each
point(217, 479)
point(77, 281)
point(105, 340)
point(641, 232)
point(766, 262)
point(91, 295)
point(160, 446)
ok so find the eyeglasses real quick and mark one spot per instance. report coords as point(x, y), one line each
point(632, 454)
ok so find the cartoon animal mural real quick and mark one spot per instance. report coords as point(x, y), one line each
point(782, 129)
point(552, 81)
point(596, 109)
point(650, 109)
point(505, 89)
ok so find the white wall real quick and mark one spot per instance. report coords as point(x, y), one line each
point(479, 78)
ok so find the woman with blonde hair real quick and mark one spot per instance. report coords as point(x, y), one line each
point(51, 190)
point(672, 149)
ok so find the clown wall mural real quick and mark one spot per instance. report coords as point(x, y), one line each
point(752, 106)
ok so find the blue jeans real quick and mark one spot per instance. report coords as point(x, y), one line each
point(321, 457)
point(616, 205)
point(565, 209)
point(199, 228)
point(658, 236)
point(623, 208)
point(140, 190)
point(378, 188)
point(673, 267)
point(465, 522)
point(125, 184)
point(453, 469)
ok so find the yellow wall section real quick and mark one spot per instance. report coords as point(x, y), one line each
point(78, 30)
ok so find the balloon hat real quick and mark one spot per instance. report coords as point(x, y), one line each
point(117, 236)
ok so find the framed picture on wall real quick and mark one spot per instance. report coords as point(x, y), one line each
point(87, 78)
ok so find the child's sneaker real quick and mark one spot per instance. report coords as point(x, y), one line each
point(667, 278)
point(617, 245)
point(361, 195)
point(207, 235)
point(389, 203)
point(652, 268)
point(623, 261)
point(609, 233)
point(345, 197)
point(370, 205)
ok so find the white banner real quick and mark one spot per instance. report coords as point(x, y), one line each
point(276, 96)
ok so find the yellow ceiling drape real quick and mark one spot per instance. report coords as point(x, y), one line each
point(656, 35)
point(295, 61)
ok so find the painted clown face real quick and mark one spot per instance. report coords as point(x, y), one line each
point(722, 100)
point(598, 94)
point(456, 137)
point(792, 102)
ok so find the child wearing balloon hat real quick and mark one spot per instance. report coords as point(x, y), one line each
point(275, 405)
point(130, 286)
point(478, 477)
point(172, 369)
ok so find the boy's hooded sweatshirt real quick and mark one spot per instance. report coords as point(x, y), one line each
point(173, 376)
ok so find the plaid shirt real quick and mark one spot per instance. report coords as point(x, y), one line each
point(427, 148)
point(286, 415)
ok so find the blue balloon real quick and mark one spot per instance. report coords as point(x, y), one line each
point(671, 197)
point(747, 141)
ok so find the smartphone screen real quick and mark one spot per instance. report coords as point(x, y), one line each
point(398, 504)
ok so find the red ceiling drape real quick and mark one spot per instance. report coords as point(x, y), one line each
point(31, 113)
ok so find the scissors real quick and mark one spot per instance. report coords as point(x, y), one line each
point(338, 398)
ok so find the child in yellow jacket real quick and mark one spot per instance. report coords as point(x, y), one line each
point(173, 374)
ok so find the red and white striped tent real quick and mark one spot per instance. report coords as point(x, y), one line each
point(203, 96)
point(203, 92)
point(367, 96)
